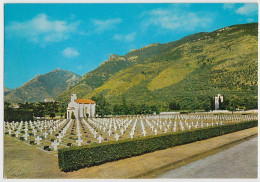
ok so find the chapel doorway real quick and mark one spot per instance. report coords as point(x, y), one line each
point(86, 111)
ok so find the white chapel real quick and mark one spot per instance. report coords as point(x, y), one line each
point(81, 108)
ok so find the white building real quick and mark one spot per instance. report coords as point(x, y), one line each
point(217, 98)
point(49, 100)
point(81, 108)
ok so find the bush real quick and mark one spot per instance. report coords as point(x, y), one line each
point(22, 138)
point(18, 115)
point(12, 135)
point(77, 157)
point(32, 142)
point(47, 148)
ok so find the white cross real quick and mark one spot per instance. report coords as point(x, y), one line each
point(59, 137)
point(79, 141)
point(51, 131)
point(25, 135)
point(45, 134)
point(95, 134)
point(79, 134)
point(55, 144)
point(155, 131)
point(109, 132)
point(122, 131)
point(116, 137)
point(10, 131)
point(165, 129)
point(34, 132)
point(38, 139)
point(132, 134)
point(100, 138)
point(144, 132)
point(17, 133)
point(63, 132)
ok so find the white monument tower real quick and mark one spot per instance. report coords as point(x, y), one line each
point(217, 98)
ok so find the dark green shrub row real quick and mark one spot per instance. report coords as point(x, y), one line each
point(18, 115)
point(77, 157)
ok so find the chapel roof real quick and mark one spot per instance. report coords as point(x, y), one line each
point(84, 101)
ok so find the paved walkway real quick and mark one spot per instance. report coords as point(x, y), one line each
point(147, 165)
point(239, 161)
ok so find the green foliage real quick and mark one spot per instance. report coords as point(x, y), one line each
point(18, 115)
point(52, 115)
point(78, 157)
point(102, 106)
point(190, 71)
point(132, 109)
point(174, 106)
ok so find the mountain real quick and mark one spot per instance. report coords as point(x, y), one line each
point(48, 85)
point(190, 71)
point(7, 90)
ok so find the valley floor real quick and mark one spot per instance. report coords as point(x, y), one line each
point(24, 161)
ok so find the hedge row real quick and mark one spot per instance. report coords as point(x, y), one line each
point(18, 115)
point(78, 157)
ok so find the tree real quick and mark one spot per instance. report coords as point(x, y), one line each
point(174, 106)
point(219, 103)
point(52, 115)
point(212, 103)
point(102, 106)
point(206, 107)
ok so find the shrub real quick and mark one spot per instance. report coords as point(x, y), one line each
point(18, 115)
point(32, 142)
point(77, 157)
point(69, 144)
point(47, 148)
point(22, 138)
point(12, 135)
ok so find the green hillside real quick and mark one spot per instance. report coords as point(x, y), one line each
point(7, 90)
point(190, 71)
point(49, 85)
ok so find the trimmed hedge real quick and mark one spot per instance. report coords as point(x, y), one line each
point(78, 157)
point(18, 115)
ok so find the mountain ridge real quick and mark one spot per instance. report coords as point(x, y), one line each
point(42, 86)
point(160, 72)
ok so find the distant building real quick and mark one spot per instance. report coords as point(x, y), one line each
point(15, 106)
point(49, 100)
point(217, 99)
point(81, 108)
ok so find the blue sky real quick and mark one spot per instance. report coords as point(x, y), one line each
point(78, 37)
